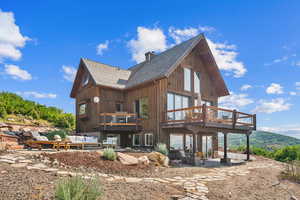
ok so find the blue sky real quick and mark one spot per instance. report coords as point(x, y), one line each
point(256, 44)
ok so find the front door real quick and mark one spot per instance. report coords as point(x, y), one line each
point(207, 146)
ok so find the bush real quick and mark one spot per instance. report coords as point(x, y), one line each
point(109, 154)
point(162, 148)
point(61, 133)
point(76, 188)
point(288, 153)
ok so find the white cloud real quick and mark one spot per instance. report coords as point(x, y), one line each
point(225, 54)
point(155, 40)
point(69, 72)
point(274, 88)
point(226, 58)
point(297, 84)
point(246, 87)
point(101, 47)
point(11, 38)
point(292, 93)
point(275, 105)
point(235, 101)
point(38, 95)
point(279, 60)
point(147, 40)
point(180, 35)
point(16, 72)
point(297, 63)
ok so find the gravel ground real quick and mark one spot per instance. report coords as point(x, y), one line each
point(260, 184)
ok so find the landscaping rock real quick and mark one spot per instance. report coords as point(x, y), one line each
point(158, 159)
point(126, 159)
point(144, 160)
point(19, 165)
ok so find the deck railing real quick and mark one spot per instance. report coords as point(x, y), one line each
point(118, 119)
point(211, 114)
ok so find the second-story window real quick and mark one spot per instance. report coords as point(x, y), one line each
point(85, 80)
point(197, 82)
point(187, 79)
point(175, 102)
point(82, 109)
point(141, 107)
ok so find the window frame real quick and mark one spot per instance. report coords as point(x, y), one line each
point(181, 113)
point(187, 83)
point(140, 140)
point(152, 139)
point(85, 109)
point(197, 77)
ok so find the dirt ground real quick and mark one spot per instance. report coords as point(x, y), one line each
point(139, 191)
point(260, 184)
point(92, 161)
point(23, 184)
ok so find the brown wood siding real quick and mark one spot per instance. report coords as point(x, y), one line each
point(86, 95)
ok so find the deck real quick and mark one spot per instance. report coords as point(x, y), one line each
point(119, 122)
point(210, 118)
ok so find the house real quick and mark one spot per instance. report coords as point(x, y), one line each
point(171, 98)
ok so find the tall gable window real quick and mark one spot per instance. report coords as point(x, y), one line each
point(85, 80)
point(187, 79)
point(197, 82)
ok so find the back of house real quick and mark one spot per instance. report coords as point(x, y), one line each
point(170, 98)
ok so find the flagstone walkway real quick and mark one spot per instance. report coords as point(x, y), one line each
point(195, 186)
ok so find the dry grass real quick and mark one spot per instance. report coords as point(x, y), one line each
point(292, 171)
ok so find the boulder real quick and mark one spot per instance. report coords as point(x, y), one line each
point(57, 138)
point(158, 159)
point(144, 160)
point(126, 159)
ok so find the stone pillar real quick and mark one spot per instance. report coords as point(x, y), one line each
point(199, 142)
point(215, 145)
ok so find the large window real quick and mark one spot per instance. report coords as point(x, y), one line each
point(187, 79)
point(148, 139)
point(197, 82)
point(176, 101)
point(141, 107)
point(82, 109)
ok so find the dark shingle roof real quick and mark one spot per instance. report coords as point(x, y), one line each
point(107, 75)
point(159, 66)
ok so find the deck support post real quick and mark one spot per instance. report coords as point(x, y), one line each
point(225, 146)
point(225, 159)
point(248, 147)
point(194, 148)
point(184, 141)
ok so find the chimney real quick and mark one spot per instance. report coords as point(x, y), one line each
point(149, 55)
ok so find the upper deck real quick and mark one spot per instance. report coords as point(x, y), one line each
point(210, 118)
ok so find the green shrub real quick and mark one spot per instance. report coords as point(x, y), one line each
point(162, 148)
point(61, 133)
point(76, 188)
point(109, 154)
point(288, 153)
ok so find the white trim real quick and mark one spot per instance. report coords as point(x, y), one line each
point(145, 137)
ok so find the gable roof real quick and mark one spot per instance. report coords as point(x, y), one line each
point(107, 75)
point(160, 66)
